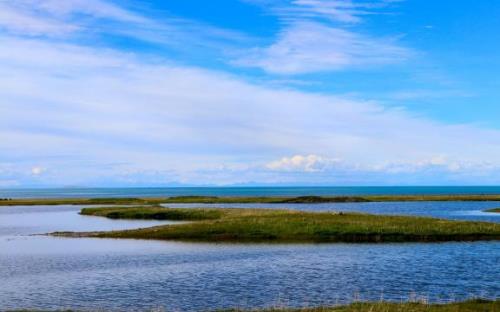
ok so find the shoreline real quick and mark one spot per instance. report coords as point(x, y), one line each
point(244, 200)
point(473, 305)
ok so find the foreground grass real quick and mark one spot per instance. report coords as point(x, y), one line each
point(243, 200)
point(468, 306)
point(270, 225)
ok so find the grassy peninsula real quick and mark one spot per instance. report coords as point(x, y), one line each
point(242, 200)
point(282, 226)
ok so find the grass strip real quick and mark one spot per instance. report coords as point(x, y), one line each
point(243, 200)
point(468, 306)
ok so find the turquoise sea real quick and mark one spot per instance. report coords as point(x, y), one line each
point(245, 191)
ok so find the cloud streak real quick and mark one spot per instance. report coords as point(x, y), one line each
point(314, 38)
point(312, 47)
point(93, 20)
point(344, 11)
point(55, 18)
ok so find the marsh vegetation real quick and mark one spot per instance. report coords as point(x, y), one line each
point(468, 306)
point(272, 225)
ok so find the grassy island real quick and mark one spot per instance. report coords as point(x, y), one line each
point(272, 225)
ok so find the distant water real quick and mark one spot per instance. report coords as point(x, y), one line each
point(247, 191)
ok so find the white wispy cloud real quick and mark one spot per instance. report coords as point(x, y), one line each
point(54, 18)
point(90, 115)
point(95, 8)
point(16, 20)
point(303, 163)
point(36, 171)
point(345, 11)
point(314, 38)
point(93, 19)
point(428, 94)
point(313, 47)
point(304, 45)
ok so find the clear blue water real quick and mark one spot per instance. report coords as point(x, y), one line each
point(43, 272)
point(27, 220)
point(245, 191)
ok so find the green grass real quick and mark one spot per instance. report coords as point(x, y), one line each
point(468, 306)
point(320, 199)
point(253, 199)
point(493, 210)
point(271, 225)
point(153, 213)
point(81, 201)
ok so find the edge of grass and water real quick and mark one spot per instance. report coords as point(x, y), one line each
point(242, 200)
point(239, 225)
point(476, 305)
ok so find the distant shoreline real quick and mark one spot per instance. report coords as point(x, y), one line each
point(242, 199)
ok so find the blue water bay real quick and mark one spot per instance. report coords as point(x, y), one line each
point(43, 272)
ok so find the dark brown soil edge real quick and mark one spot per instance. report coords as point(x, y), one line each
point(258, 239)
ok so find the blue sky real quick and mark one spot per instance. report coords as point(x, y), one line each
point(249, 92)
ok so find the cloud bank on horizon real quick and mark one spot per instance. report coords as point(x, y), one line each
point(289, 92)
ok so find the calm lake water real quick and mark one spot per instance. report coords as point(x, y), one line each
point(133, 275)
